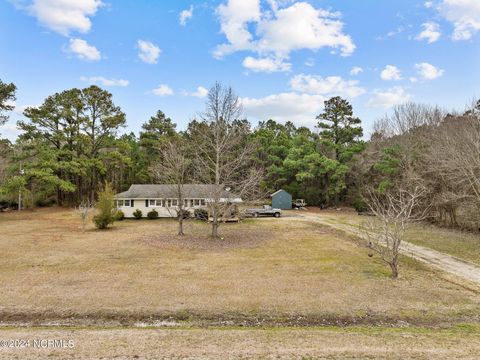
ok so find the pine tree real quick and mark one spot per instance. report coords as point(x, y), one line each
point(340, 135)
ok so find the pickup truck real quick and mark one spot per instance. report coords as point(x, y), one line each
point(299, 204)
point(266, 210)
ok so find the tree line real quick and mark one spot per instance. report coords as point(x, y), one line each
point(72, 144)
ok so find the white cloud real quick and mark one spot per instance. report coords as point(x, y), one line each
point(163, 90)
point(301, 109)
point(392, 33)
point(83, 50)
point(428, 71)
point(388, 98)
point(104, 81)
point(431, 32)
point(10, 130)
point(148, 52)
point(269, 64)
point(464, 15)
point(234, 17)
point(185, 15)
point(428, 4)
point(331, 85)
point(310, 62)
point(281, 29)
point(356, 70)
point(19, 109)
point(201, 92)
point(62, 16)
point(391, 72)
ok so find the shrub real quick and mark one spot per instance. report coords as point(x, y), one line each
point(359, 205)
point(13, 205)
point(152, 214)
point(105, 208)
point(184, 214)
point(44, 202)
point(200, 214)
point(119, 215)
point(137, 214)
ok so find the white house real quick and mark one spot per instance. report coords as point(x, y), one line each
point(164, 198)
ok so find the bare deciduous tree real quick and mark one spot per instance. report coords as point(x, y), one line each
point(84, 209)
point(458, 143)
point(174, 168)
point(407, 117)
point(393, 211)
point(224, 156)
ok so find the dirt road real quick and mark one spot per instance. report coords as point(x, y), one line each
point(436, 259)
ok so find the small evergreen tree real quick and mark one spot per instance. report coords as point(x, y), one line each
point(105, 209)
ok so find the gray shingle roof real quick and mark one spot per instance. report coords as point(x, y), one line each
point(163, 191)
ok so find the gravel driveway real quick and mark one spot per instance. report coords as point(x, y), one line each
point(436, 259)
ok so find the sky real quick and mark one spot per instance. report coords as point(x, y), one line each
point(283, 58)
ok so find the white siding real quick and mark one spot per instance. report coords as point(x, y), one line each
point(162, 211)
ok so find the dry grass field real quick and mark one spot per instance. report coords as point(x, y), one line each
point(459, 342)
point(272, 286)
point(265, 270)
point(461, 244)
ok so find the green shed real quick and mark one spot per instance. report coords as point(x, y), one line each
point(281, 200)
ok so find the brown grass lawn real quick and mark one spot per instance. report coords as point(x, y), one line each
point(462, 244)
point(292, 272)
point(459, 342)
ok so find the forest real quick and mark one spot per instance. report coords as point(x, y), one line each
point(73, 143)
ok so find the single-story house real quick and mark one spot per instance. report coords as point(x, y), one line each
point(281, 200)
point(163, 198)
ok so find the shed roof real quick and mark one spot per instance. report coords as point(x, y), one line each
point(279, 191)
point(165, 191)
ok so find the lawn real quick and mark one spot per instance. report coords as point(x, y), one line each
point(457, 342)
point(461, 244)
point(265, 272)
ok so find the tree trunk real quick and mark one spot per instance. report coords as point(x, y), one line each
point(215, 229)
point(180, 224)
point(394, 267)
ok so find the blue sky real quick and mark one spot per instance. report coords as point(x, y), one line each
point(283, 58)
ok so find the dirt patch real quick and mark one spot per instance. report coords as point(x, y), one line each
point(230, 238)
point(192, 318)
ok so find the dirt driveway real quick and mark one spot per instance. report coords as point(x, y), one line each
point(436, 259)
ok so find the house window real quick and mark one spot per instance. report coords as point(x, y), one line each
point(126, 203)
point(196, 202)
point(202, 202)
point(152, 202)
point(158, 203)
point(185, 203)
point(174, 202)
point(119, 203)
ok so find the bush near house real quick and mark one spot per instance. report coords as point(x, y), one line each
point(137, 214)
point(105, 209)
point(119, 215)
point(200, 214)
point(152, 214)
point(184, 214)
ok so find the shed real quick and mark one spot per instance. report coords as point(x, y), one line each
point(281, 200)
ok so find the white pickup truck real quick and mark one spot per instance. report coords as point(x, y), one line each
point(266, 210)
